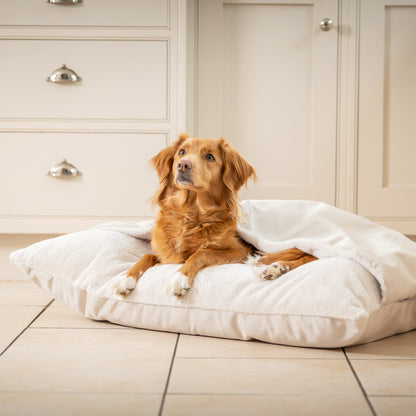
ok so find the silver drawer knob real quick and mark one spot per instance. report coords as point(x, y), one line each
point(64, 75)
point(64, 1)
point(326, 24)
point(64, 170)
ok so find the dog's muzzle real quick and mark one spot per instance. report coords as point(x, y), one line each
point(183, 172)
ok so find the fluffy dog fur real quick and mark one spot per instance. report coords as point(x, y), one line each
point(196, 224)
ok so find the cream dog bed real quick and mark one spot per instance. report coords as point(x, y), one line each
point(362, 288)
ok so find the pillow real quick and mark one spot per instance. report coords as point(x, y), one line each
point(344, 298)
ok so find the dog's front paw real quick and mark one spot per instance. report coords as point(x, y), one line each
point(178, 285)
point(124, 285)
point(271, 271)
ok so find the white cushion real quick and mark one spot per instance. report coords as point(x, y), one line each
point(333, 302)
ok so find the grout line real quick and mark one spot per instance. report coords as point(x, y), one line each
point(367, 399)
point(397, 395)
point(270, 394)
point(80, 393)
point(27, 326)
point(258, 358)
point(162, 403)
point(385, 359)
point(84, 327)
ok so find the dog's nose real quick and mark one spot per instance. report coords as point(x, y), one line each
point(184, 165)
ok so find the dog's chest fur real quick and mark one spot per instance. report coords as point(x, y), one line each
point(178, 235)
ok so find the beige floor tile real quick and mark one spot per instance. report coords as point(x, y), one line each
point(58, 303)
point(63, 317)
point(206, 347)
point(397, 406)
point(402, 346)
point(18, 316)
point(13, 320)
point(387, 377)
point(264, 405)
point(262, 376)
point(17, 292)
point(88, 360)
point(49, 404)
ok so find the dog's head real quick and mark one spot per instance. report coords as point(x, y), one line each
point(201, 165)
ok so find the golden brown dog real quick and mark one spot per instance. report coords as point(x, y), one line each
point(196, 225)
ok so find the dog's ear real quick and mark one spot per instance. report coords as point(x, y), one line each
point(236, 171)
point(162, 162)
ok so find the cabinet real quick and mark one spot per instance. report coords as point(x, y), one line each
point(267, 81)
point(387, 127)
point(122, 79)
point(87, 13)
point(325, 115)
point(125, 108)
point(321, 115)
point(115, 179)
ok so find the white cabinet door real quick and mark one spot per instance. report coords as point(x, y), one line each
point(387, 112)
point(267, 81)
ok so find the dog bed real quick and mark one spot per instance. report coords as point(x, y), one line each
point(362, 288)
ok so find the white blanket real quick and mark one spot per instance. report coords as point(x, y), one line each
point(325, 231)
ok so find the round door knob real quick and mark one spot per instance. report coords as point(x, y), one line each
point(326, 24)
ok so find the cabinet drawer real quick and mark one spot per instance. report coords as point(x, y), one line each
point(120, 79)
point(116, 179)
point(133, 13)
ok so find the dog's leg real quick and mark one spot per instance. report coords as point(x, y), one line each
point(271, 266)
point(182, 280)
point(128, 281)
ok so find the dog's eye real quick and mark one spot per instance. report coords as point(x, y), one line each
point(210, 157)
point(181, 152)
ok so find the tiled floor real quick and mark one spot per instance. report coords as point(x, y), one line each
point(55, 362)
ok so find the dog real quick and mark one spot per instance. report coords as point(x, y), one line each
point(195, 225)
